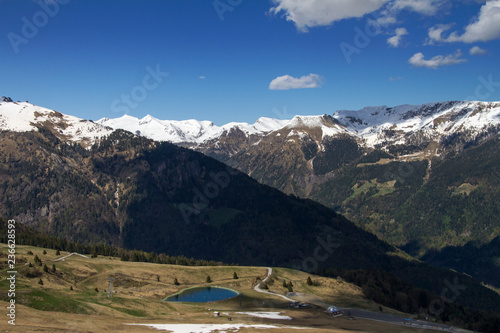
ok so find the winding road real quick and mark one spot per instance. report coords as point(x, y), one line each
point(364, 314)
point(257, 287)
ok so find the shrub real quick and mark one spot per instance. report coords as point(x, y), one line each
point(32, 272)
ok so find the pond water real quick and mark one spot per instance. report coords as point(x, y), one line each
point(202, 295)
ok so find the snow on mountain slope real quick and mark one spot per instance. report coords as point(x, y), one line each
point(192, 131)
point(381, 124)
point(326, 123)
point(23, 117)
point(373, 125)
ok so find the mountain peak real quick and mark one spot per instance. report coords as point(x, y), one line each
point(25, 117)
point(374, 125)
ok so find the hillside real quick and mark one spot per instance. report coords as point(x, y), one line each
point(73, 294)
point(422, 177)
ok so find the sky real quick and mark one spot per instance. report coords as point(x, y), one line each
point(238, 60)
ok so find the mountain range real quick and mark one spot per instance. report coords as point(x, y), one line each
point(86, 182)
point(374, 127)
point(422, 177)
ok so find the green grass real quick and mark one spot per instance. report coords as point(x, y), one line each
point(465, 188)
point(382, 188)
point(51, 301)
point(132, 312)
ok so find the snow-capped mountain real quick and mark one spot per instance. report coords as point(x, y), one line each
point(372, 125)
point(382, 125)
point(188, 131)
point(25, 117)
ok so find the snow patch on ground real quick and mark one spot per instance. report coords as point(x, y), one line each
point(268, 315)
point(209, 328)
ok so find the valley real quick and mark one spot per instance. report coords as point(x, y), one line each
point(378, 166)
point(75, 297)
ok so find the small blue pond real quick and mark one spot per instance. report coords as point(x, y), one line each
point(202, 295)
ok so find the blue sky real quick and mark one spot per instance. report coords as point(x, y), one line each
point(237, 60)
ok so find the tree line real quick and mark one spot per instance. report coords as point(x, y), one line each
point(28, 236)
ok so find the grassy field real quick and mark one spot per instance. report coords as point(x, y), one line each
point(74, 298)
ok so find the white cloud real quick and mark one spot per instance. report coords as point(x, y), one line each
point(395, 41)
point(202, 77)
point(476, 50)
point(312, 13)
point(387, 18)
point(389, 15)
point(426, 7)
point(286, 82)
point(418, 60)
point(485, 28)
point(436, 32)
